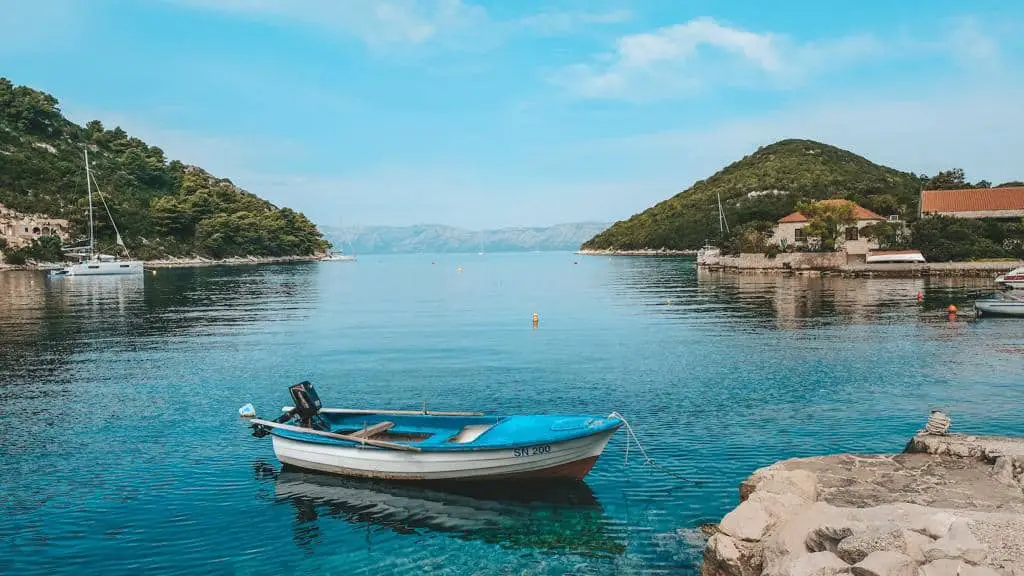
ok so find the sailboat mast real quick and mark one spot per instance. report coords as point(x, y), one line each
point(723, 224)
point(88, 186)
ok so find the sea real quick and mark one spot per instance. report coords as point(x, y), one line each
point(122, 450)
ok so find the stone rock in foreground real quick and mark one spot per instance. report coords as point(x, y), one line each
point(949, 505)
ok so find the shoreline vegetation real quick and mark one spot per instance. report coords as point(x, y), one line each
point(163, 208)
point(191, 262)
point(638, 252)
point(738, 209)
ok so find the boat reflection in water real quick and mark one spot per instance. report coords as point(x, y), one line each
point(553, 515)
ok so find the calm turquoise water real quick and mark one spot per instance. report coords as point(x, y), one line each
point(122, 450)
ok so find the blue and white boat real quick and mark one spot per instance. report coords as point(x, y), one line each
point(421, 445)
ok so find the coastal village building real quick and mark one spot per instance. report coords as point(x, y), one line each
point(20, 229)
point(974, 202)
point(790, 231)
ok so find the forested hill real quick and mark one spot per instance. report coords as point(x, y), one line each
point(161, 207)
point(762, 188)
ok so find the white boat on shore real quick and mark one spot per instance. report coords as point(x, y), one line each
point(894, 256)
point(90, 262)
point(412, 445)
point(1012, 279)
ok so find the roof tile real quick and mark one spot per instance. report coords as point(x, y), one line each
point(859, 212)
point(972, 200)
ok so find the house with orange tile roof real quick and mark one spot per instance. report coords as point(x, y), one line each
point(974, 203)
point(790, 230)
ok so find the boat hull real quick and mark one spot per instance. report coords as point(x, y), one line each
point(898, 257)
point(999, 308)
point(566, 459)
point(1012, 279)
point(114, 268)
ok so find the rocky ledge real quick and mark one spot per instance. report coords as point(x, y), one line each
point(948, 505)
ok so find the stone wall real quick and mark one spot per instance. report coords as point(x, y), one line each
point(784, 261)
point(20, 229)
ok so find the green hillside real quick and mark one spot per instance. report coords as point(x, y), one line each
point(764, 186)
point(161, 207)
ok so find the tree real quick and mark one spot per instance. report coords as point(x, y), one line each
point(827, 221)
point(983, 184)
point(886, 234)
point(749, 237)
point(948, 180)
point(1011, 184)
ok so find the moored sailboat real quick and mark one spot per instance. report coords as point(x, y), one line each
point(92, 263)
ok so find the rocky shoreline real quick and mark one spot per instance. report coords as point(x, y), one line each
point(192, 262)
point(642, 252)
point(948, 505)
point(198, 262)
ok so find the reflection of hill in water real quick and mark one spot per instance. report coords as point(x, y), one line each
point(674, 287)
point(548, 516)
point(62, 316)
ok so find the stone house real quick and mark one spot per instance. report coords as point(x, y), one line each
point(790, 230)
point(974, 203)
point(20, 229)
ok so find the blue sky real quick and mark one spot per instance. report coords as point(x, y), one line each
point(487, 113)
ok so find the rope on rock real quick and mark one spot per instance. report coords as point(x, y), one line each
point(647, 457)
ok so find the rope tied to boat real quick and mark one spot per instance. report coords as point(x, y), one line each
point(647, 458)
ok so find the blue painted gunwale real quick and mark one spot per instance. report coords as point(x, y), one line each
point(506, 433)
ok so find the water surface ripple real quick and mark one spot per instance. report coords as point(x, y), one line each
point(121, 450)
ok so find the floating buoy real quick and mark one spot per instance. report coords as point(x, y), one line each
point(247, 411)
point(459, 269)
point(920, 296)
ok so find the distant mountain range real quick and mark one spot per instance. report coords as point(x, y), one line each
point(433, 238)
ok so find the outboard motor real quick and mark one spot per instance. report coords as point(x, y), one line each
point(306, 405)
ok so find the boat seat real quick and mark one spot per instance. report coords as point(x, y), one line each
point(470, 433)
point(372, 431)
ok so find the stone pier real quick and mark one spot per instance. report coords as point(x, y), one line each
point(949, 505)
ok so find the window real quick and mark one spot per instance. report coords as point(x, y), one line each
point(852, 233)
point(799, 235)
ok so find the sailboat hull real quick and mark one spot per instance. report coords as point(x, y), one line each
point(116, 267)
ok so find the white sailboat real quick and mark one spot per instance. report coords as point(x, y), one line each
point(93, 263)
point(708, 253)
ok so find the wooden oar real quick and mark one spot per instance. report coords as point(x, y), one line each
point(391, 412)
point(344, 437)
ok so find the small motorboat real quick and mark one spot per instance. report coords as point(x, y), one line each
point(337, 257)
point(894, 256)
point(1012, 279)
point(1000, 306)
point(421, 445)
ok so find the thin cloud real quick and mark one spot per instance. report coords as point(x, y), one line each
point(553, 23)
point(685, 58)
point(379, 22)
